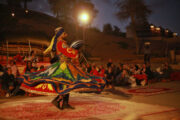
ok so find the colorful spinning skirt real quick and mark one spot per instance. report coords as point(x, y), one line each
point(61, 78)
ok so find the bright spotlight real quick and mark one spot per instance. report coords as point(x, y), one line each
point(84, 17)
point(26, 11)
point(158, 28)
point(175, 34)
point(166, 31)
point(12, 14)
point(152, 26)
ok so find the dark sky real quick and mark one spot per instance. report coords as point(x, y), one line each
point(166, 13)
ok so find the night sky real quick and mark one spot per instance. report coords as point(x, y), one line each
point(165, 13)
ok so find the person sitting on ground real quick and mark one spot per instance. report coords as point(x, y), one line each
point(102, 71)
point(8, 82)
point(124, 79)
point(1, 71)
point(14, 69)
point(159, 73)
point(18, 58)
point(28, 67)
point(118, 72)
point(139, 74)
point(1, 74)
point(109, 63)
point(118, 69)
point(34, 59)
point(95, 71)
point(167, 70)
point(163, 72)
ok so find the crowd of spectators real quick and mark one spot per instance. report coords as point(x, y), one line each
point(130, 75)
point(9, 84)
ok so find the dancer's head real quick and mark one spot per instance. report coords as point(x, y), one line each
point(59, 33)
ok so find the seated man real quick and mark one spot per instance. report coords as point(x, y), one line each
point(1, 74)
point(8, 82)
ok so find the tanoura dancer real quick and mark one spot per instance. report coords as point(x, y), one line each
point(63, 76)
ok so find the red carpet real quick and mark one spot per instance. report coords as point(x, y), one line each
point(86, 107)
point(38, 111)
point(175, 76)
point(148, 91)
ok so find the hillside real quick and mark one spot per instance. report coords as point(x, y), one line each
point(107, 46)
point(30, 24)
point(39, 28)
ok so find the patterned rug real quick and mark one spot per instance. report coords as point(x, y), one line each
point(146, 91)
point(91, 107)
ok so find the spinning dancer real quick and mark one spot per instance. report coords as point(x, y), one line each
point(63, 76)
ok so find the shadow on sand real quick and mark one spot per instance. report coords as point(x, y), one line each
point(119, 93)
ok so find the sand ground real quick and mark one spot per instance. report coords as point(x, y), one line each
point(167, 100)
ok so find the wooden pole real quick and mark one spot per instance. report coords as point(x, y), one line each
point(7, 53)
point(29, 48)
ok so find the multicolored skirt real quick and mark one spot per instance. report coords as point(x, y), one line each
point(61, 78)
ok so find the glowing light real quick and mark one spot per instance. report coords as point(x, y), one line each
point(152, 26)
point(166, 30)
point(26, 11)
point(84, 17)
point(158, 29)
point(175, 34)
point(12, 14)
point(147, 43)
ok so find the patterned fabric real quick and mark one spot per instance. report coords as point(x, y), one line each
point(61, 78)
